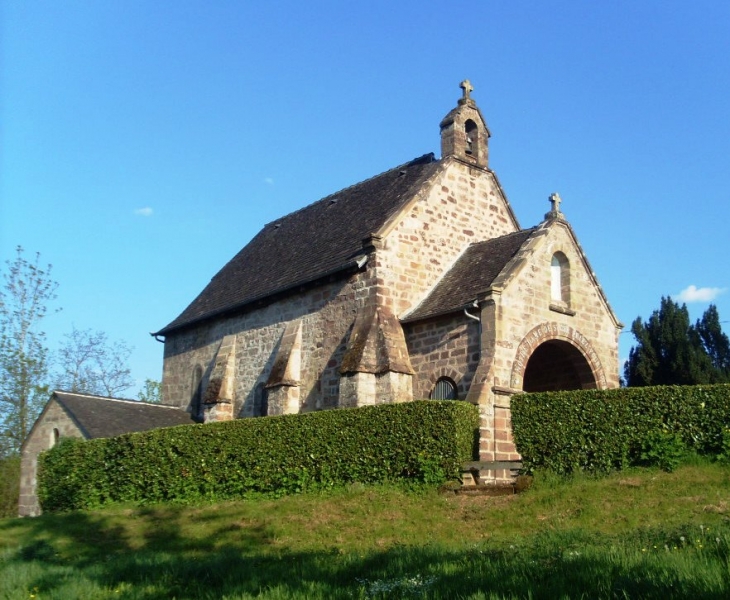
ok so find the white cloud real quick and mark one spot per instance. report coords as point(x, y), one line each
point(694, 294)
point(143, 212)
point(269, 180)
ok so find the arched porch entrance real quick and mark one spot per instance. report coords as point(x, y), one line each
point(554, 356)
point(557, 365)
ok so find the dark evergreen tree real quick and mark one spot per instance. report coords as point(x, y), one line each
point(715, 343)
point(670, 351)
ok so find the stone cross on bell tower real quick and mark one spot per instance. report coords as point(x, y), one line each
point(467, 88)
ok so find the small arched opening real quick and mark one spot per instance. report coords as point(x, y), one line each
point(55, 436)
point(471, 132)
point(445, 389)
point(558, 365)
point(560, 279)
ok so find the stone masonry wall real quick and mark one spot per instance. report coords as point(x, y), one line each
point(327, 313)
point(443, 347)
point(41, 438)
point(464, 205)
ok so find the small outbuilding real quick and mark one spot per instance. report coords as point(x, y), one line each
point(69, 415)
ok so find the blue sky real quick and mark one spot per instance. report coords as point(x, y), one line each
point(144, 143)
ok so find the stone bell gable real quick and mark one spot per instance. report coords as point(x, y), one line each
point(416, 283)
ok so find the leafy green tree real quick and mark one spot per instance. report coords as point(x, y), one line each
point(90, 363)
point(25, 296)
point(670, 351)
point(152, 392)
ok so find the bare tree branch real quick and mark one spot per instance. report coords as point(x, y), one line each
point(92, 364)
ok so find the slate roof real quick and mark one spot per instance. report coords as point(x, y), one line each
point(319, 240)
point(100, 417)
point(472, 274)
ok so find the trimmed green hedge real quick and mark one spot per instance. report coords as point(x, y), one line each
point(423, 440)
point(600, 430)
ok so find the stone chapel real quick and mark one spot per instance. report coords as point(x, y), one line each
point(417, 283)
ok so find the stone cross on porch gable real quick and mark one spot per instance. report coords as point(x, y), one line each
point(555, 201)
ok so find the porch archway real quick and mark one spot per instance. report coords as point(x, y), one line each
point(554, 356)
point(557, 365)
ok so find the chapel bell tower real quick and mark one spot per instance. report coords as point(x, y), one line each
point(464, 132)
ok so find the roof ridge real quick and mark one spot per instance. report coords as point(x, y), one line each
point(113, 399)
point(427, 158)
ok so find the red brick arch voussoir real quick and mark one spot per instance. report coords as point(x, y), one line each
point(554, 331)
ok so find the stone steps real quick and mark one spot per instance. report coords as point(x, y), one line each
point(490, 478)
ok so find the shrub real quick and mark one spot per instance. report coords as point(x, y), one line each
point(9, 486)
point(422, 441)
point(662, 449)
point(724, 453)
point(600, 430)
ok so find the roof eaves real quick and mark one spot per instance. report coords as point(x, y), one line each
point(353, 264)
point(414, 317)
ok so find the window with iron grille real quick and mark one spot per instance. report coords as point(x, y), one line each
point(445, 389)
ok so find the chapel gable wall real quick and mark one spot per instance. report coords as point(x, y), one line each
point(463, 205)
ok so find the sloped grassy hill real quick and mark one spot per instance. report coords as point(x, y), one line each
point(639, 533)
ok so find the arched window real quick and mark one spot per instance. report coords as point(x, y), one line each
point(559, 278)
point(196, 393)
point(55, 436)
point(260, 401)
point(445, 389)
point(472, 138)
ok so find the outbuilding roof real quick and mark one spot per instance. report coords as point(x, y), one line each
point(100, 417)
point(310, 244)
point(472, 273)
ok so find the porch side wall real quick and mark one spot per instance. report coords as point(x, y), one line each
point(443, 347)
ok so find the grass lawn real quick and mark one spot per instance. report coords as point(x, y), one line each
point(634, 534)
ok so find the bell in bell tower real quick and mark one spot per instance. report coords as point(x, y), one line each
point(464, 131)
